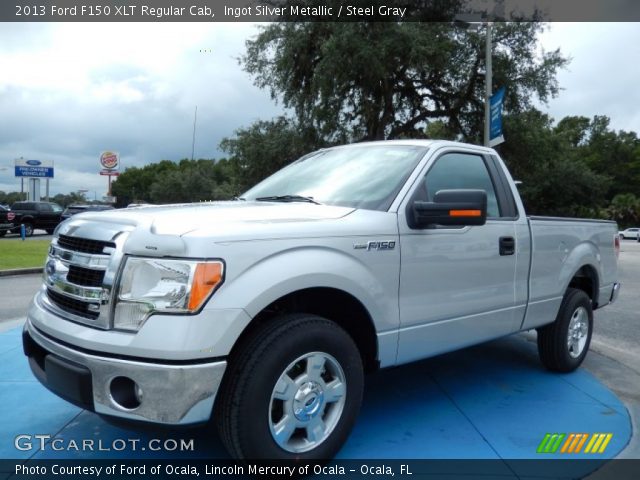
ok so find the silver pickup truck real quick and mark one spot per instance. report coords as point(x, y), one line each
point(264, 313)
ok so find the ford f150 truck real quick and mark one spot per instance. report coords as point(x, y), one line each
point(264, 313)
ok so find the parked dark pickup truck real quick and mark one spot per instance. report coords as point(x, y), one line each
point(6, 220)
point(42, 215)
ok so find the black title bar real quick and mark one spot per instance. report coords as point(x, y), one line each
point(316, 10)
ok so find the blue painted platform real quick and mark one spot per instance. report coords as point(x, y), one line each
point(493, 401)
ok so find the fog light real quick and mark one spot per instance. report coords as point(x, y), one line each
point(125, 393)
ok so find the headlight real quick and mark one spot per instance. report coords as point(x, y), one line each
point(150, 285)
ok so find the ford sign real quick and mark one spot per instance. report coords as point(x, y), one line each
point(33, 162)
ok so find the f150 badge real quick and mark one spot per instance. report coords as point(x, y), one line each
point(375, 245)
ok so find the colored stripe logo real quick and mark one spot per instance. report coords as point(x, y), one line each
point(574, 442)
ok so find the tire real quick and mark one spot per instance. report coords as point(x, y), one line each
point(3, 233)
point(557, 352)
point(50, 231)
point(28, 229)
point(267, 388)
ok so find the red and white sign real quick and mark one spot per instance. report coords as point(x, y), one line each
point(109, 160)
point(11, 216)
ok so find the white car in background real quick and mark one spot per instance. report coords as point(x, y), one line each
point(629, 233)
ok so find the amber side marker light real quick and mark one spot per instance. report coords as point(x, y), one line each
point(465, 213)
point(205, 279)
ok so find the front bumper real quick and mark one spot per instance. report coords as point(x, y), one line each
point(168, 392)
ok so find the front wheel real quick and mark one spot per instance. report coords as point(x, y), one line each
point(563, 344)
point(292, 391)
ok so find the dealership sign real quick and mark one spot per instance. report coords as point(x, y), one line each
point(33, 168)
point(496, 136)
point(109, 160)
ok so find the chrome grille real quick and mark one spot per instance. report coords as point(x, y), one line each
point(84, 245)
point(85, 276)
point(71, 305)
point(80, 273)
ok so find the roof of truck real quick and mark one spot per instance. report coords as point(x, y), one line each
point(420, 143)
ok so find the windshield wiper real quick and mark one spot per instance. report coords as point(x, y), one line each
point(287, 198)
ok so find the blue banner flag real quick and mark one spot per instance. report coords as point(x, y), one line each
point(495, 127)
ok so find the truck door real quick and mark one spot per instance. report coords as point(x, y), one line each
point(457, 284)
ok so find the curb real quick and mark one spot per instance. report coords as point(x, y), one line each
point(20, 271)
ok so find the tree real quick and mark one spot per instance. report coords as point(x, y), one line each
point(265, 147)
point(9, 198)
point(65, 200)
point(170, 182)
point(625, 209)
point(556, 178)
point(374, 80)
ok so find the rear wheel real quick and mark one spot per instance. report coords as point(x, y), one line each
point(50, 231)
point(563, 344)
point(293, 391)
point(28, 229)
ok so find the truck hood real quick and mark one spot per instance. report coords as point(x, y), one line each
point(223, 217)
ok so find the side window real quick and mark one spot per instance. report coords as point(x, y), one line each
point(44, 207)
point(461, 171)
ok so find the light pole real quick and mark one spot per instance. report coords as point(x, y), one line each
point(461, 20)
point(487, 84)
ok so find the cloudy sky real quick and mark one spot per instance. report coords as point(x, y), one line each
point(69, 91)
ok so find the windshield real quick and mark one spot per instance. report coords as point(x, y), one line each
point(367, 176)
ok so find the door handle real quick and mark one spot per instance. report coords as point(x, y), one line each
point(507, 245)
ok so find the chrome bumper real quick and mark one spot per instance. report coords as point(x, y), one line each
point(168, 393)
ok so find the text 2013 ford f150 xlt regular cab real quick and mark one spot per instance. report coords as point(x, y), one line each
point(266, 312)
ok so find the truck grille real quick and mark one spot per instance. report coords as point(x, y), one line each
point(79, 276)
point(84, 245)
point(85, 276)
point(71, 305)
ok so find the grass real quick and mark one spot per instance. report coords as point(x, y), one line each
point(15, 253)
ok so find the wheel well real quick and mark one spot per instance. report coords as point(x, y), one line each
point(586, 279)
point(332, 304)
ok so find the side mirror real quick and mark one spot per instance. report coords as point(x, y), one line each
point(451, 208)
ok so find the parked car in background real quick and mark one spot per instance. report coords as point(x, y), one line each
point(36, 215)
point(629, 233)
point(6, 220)
point(71, 210)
